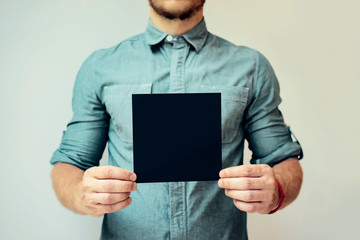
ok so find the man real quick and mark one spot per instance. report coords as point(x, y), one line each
point(176, 54)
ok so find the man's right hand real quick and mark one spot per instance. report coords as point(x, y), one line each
point(106, 189)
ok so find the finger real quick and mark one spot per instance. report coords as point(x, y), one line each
point(249, 207)
point(109, 208)
point(241, 183)
point(248, 196)
point(244, 171)
point(112, 186)
point(111, 172)
point(108, 198)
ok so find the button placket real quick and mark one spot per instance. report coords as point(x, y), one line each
point(178, 215)
point(179, 53)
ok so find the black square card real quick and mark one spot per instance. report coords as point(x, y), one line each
point(177, 137)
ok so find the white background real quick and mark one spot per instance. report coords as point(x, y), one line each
point(314, 47)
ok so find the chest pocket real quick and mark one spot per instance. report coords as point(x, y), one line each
point(118, 102)
point(233, 103)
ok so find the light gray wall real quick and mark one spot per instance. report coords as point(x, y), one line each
point(314, 47)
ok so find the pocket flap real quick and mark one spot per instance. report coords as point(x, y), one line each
point(127, 89)
point(228, 92)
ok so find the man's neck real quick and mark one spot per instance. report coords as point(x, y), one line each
point(175, 26)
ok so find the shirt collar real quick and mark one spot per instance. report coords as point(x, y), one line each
point(196, 36)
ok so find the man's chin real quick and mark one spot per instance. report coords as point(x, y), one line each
point(176, 9)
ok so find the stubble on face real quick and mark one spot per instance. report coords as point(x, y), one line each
point(176, 9)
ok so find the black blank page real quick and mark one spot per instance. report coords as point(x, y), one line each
point(177, 137)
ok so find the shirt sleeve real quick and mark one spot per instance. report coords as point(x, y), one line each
point(84, 140)
point(270, 139)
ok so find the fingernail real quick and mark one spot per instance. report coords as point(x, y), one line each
point(221, 174)
point(133, 177)
point(134, 186)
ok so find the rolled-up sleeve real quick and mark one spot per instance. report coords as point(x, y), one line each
point(85, 138)
point(270, 139)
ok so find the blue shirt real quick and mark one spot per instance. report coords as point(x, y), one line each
point(156, 62)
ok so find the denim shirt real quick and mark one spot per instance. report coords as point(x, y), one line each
point(157, 62)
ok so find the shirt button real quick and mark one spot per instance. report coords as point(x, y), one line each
point(169, 38)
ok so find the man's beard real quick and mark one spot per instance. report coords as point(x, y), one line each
point(181, 14)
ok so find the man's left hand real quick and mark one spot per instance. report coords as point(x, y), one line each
point(252, 187)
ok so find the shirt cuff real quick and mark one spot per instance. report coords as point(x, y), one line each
point(285, 151)
point(61, 157)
